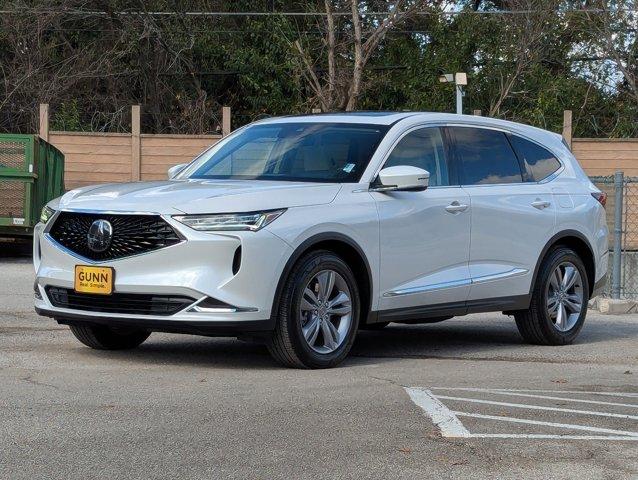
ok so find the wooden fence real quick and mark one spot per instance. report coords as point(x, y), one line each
point(122, 157)
point(604, 156)
point(108, 157)
point(96, 157)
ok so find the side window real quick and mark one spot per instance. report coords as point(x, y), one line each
point(424, 149)
point(485, 156)
point(539, 163)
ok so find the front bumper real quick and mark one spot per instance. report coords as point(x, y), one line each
point(168, 325)
point(199, 267)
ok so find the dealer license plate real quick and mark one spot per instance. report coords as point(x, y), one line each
point(93, 279)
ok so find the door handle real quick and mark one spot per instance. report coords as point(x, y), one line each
point(540, 204)
point(456, 207)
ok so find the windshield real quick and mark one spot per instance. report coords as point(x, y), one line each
point(313, 152)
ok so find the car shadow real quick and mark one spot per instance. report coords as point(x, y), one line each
point(192, 350)
point(450, 339)
point(462, 338)
point(15, 251)
point(468, 337)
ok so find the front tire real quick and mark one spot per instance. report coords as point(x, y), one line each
point(318, 315)
point(559, 300)
point(102, 337)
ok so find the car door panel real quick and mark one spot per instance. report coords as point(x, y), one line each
point(424, 236)
point(415, 269)
point(508, 234)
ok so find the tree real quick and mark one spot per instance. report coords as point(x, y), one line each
point(37, 64)
point(527, 61)
point(522, 43)
point(347, 48)
point(615, 24)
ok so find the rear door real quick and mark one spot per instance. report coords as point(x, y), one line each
point(512, 217)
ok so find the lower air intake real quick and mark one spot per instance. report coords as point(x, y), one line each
point(127, 303)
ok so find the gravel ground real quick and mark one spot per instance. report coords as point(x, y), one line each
point(194, 407)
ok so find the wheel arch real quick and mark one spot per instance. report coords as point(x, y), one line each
point(577, 242)
point(349, 250)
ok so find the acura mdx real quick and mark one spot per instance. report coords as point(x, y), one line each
point(300, 231)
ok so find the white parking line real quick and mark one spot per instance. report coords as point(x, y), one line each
point(541, 436)
point(441, 416)
point(608, 394)
point(545, 397)
point(451, 427)
point(539, 407)
point(569, 426)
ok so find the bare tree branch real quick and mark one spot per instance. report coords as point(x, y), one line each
point(349, 50)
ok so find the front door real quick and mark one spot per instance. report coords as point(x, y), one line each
point(424, 236)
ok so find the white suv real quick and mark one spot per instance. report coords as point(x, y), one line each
point(299, 231)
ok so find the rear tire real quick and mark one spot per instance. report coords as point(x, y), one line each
point(102, 337)
point(559, 300)
point(316, 329)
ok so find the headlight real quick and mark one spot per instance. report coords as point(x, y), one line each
point(229, 221)
point(46, 214)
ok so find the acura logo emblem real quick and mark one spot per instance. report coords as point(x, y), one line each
point(99, 236)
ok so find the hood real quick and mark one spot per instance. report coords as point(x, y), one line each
point(198, 196)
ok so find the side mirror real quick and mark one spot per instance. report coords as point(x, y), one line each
point(402, 178)
point(174, 170)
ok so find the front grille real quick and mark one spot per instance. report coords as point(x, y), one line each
point(130, 303)
point(132, 234)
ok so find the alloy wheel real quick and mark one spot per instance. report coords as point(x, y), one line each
point(564, 296)
point(326, 311)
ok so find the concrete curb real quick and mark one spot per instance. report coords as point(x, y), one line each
point(610, 306)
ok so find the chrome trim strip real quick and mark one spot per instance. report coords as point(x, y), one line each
point(179, 316)
point(106, 212)
point(199, 309)
point(514, 272)
point(428, 288)
point(470, 124)
point(230, 309)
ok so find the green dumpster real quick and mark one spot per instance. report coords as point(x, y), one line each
point(31, 174)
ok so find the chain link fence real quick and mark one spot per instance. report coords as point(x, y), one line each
point(622, 221)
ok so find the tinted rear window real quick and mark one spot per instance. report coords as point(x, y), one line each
point(539, 163)
point(486, 157)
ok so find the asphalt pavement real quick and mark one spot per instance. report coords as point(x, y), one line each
point(460, 399)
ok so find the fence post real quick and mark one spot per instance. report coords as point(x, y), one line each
point(44, 121)
point(225, 121)
point(615, 278)
point(136, 153)
point(567, 127)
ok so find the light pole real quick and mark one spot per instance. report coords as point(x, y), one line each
point(460, 80)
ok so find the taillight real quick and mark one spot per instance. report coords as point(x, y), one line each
point(601, 197)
